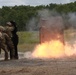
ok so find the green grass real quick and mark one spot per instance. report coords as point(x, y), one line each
point(28, 37)
point(27, 40)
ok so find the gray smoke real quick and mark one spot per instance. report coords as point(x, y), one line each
point(32, 25)
point(66, 20)
point(72, 19)
point(51, 20)
point(55, 19)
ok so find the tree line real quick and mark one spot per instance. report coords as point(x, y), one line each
point(22, 14)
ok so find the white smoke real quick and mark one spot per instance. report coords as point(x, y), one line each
point(72, 19)
point(32, 25)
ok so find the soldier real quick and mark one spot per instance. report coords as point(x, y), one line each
point(11, 25)
point(8, 44)
point(3, 42)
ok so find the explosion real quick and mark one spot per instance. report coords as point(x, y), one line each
point(52, 40)
point(50, 49)
point(53, 49)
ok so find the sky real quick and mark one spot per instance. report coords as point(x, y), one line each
point(32, 2)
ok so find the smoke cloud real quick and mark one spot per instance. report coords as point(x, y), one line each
point(68, 20)
point(72, 19)
point(32, 25)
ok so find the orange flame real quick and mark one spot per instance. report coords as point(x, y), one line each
point(49, 49)
point(53, 49)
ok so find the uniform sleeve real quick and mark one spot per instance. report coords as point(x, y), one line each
point(7, 37)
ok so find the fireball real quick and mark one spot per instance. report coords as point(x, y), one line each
point(51, 49)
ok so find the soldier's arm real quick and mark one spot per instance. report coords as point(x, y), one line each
point(9, 41)
point(7, 37)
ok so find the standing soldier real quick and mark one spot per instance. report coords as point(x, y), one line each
point(14, 37)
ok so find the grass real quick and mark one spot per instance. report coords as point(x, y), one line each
point(70, 35)
point(27, 40)
point(28, 37)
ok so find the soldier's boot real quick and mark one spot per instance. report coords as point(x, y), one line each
point(16, 53)
point(12, 54)
point(6, 51)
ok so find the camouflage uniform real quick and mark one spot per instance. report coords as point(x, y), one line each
point(10, 43)
point(6, 43)
point(3, 42)
point(11, 30)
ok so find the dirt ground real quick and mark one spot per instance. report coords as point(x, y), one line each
point(63, 66)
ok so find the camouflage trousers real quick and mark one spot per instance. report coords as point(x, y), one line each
point(7, 44)
point(4, 47)
point(10, 46)
point(11, 49)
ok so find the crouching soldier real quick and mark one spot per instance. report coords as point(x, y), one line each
point(3, 42)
